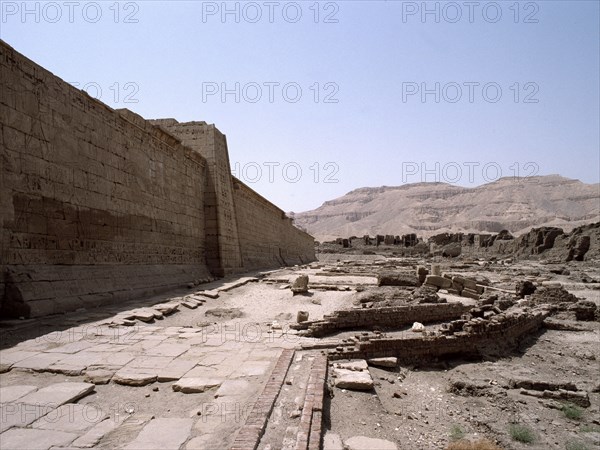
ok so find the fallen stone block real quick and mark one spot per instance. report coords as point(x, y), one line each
point(466, 292)
point(167, 308)
point(98, 376)
point(195, 385)
point(438, 281)
point(417, 327)
point(135, 377)
point(397, 279)
point(358, 365)
point(302, 316)
point(191, 304)
point(209, 294)
point(300, 285)
point(58, 394)
point(353, 380)
point(384, 362)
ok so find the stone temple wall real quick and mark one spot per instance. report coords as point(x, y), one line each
point(267, 236)
point(98, 205)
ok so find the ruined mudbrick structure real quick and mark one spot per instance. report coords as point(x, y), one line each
point(99, 205)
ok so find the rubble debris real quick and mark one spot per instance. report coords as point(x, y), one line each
point(300, 285)
point(302, 316)
point(524, 288)
point(397, 279)
point(417, 327)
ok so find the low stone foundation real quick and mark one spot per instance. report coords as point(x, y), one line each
point(503, 332)
point(395, 316)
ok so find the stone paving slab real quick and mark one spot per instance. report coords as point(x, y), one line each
point(58, 394)
point(149, 362)
point(9, 357)
point(76, 363)
point(232, 388)
point(195, 385)
point(71, 417)
point(96, 433)
point(39, 362)
point(175, 370)
point(9, 394)
point(21, 415)
point(72, 347)
point(170, 349)
point(135, 376)
point(166, 434)
point(31, 439)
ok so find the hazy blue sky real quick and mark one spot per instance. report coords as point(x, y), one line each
point(330, 94)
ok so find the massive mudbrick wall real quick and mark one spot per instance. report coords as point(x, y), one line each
point(99, 205)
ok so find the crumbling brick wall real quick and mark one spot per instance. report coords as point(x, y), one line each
point(501, 334)
point(392, 316)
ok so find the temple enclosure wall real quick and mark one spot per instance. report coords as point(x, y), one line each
point(99, 206)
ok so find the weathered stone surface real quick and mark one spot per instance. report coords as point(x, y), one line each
point(161, 246)
point(332, 441)
point(98, 376)
point(384, 362)
point(40, 361)
point(135, 376)
point(524, 288)
point(452, 250)
point(300, 285)
point(31, 439)
point(190, 304)
point(439, 281)
point(232, 388)
point(302, 316)
point(195, 385)
point(353, 380)
point(175, 369)
point(417, 327)
point(71, 417)
point(58, 394)
point(167, 434)
point(167, 308)
point(9, 394)
point(97, 432)
point(357, 364)
point(228, 313)
point(21, 414)
point(367, 443)
point(208, 294)
point(397, 279)
point(422, 273)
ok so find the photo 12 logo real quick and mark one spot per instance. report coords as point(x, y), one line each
point(69, 12)
point(471, 12)
point(469, 92)
point(289, 172)
point(269, 92)
point(116, 92)
point(270, 12)
point(454, 172)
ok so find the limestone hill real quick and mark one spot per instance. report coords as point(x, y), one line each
point(431, 208)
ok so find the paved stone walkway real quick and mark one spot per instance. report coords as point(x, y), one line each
point(226, 366)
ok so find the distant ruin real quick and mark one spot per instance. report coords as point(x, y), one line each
point(580, 244)
point(99, 205)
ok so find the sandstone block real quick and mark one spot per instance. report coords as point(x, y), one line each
point(438, 281)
